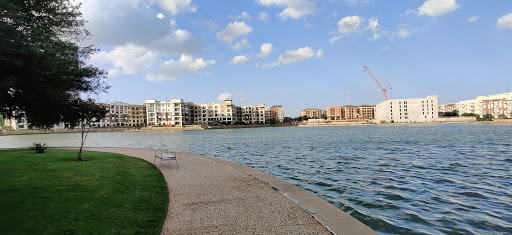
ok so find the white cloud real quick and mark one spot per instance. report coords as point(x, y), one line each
point(128, 59)
point(177, 6)
point(472, 19)
point(437, 7)
point(505, 21)
point(178, 41)
point(294, 56)
point(224, 96)
point(349, 24)
point(271, 65)
point(185, 66)
point(376, 36)
point(145, 30)
point(244, 43)
point(373, 23)
point(243, 15)
point(293, 8)
point(114, 72)
point(239, 59)
point(386, 48)
point(265, 49)
point(283, 93)
point(209, 24)
point(160, 16)
point(335, 38)
point(243, 99)
point(319, 54)
point(263, 17)
point(403, 32)
point(233, 30)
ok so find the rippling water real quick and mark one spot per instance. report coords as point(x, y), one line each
point(425, 179)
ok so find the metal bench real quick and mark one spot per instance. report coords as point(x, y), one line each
point(165, 156)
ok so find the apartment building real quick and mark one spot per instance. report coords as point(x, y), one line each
point(178, 113)
point(275, 112)
point(253, 114)
point(408, 110)
point(366, 111)
point(214, 113)
point(138, 115)
point(498, 105)
point(334, 112)
point(117, 115)
point(350, 112)
point(175, 112)
point(313, 113)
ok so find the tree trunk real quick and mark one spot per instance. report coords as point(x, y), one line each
point(84, 132)
point(80, 154)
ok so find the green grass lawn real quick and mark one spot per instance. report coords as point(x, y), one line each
point(105, 194)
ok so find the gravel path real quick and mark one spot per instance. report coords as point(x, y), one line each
point(207, 197)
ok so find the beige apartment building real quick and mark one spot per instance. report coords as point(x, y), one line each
point(498, 105)
point(214, 113)
point(178, 113)
point(313, 113)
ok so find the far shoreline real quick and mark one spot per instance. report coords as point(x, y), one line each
point(224, 127)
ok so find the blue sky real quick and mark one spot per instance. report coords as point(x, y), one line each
point(300, 53)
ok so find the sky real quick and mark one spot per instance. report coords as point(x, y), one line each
point(300, 53)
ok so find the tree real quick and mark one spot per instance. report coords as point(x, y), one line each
point(324, 116)
point(287, 119)
point(42, 68)
point(273, 121)
point(82, 114)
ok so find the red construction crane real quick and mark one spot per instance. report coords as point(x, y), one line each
point(388, 87)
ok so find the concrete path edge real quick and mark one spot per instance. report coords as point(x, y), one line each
point(331, 217)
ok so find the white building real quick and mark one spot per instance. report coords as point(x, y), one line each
point(254, 114)
point(495, 105)
point(214, 113)
point(408, 110)
point(15, 125)
point(175, 112)
point(118, 114)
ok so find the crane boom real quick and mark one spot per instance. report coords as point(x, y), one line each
point(384, 89)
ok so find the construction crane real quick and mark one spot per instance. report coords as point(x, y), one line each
point(388, 87)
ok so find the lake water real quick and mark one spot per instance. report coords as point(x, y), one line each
point(425, 179)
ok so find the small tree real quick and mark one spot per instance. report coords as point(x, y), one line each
point(273, 122)
point(83, 114)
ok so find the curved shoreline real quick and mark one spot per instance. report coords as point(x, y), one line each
point(212, 195)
